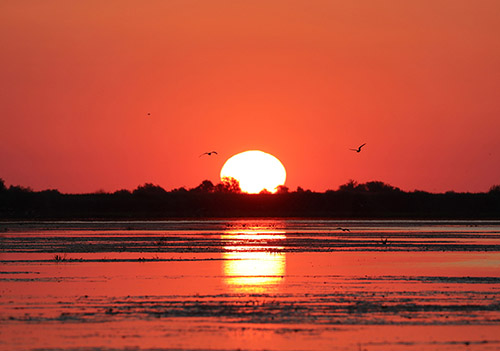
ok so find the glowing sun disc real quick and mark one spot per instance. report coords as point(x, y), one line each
point(255, 170)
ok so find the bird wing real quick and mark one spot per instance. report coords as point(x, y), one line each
point(205, 153)
point(353, 149)
point(362, 145)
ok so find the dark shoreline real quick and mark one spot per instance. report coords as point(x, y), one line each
point(338, 205)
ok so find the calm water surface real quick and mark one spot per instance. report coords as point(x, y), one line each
point(250, 285)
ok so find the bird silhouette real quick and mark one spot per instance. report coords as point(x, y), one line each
point(343, 229)
point(359, 148)
point(209, 153)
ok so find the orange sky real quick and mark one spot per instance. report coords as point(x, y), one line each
point(418, 81)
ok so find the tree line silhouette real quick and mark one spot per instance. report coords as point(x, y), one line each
point(371, 200)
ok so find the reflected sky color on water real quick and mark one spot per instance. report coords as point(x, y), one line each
point(251, 285)
point(250, 263)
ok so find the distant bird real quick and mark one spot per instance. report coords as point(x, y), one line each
point(343, 229)
point(149, 113)
point(209, 153)
point(383, 241)
point(359, 148)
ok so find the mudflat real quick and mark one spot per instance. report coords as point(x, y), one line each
point(250, 285)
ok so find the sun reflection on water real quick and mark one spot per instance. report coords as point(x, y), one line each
point(254, 261)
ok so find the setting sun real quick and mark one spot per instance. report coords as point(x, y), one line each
point(255, 170)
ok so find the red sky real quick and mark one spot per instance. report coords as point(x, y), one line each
point(418, 81)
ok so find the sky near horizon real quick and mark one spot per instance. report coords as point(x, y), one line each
point(417, 81)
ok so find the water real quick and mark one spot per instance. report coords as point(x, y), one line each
point(250, 285)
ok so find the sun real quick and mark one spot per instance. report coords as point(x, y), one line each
point(255, 170)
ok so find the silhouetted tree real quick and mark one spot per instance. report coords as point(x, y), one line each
point(179, 190)
point(282, 189)
point(495, 189)
point(352, 200)
point(19, 189)
point(379, 187)
point(300, 190)
point(351, 185)
point(417, 191)
point(371, 187)
point(149, 189)
point(228, 185)
point(206, 186)
point(50, 192)
point(122, 192)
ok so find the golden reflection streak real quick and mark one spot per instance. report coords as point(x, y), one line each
point(251, 265)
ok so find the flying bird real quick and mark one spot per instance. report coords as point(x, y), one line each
point(359, 148)
point(343, 229)
point(209, 153)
